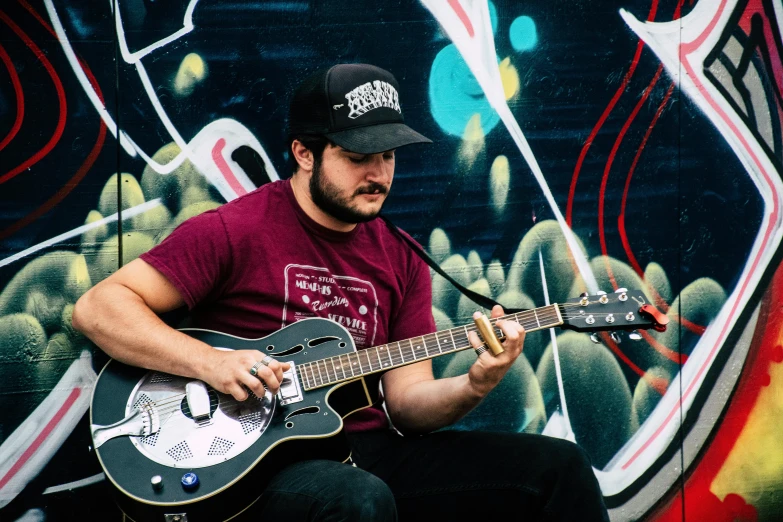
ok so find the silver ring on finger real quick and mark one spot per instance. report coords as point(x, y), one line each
point(255, 367)
point(266, 360)
point(480, 350)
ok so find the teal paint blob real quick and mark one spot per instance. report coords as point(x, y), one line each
point(523, 33)
point(455, 95)
point(493, 17)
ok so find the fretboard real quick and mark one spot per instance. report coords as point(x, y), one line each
point(332, 370)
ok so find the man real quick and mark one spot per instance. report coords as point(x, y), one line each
point(311, 246)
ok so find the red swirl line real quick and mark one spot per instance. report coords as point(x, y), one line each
point(19, 98)
point(664, 350)
point(604, 116)
point(463, 16)
point(35, 158)
point(85, 166)
point(608, 167)
point(621, 218)
point(64, 191)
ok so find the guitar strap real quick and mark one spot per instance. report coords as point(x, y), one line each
point(481, 300)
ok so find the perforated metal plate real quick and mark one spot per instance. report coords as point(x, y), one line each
point(183, 442)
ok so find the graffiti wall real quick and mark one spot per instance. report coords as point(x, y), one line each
point(579, 147)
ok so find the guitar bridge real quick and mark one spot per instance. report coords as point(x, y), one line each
point(290, 390)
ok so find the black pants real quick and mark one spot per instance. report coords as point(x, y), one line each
point(448, 476)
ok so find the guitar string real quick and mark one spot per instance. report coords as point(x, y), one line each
point(176, 400)
point(393, 358)
point(545, 312)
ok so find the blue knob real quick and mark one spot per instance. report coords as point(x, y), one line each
point(189, 481)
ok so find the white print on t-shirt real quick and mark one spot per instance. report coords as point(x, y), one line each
point(312, 291)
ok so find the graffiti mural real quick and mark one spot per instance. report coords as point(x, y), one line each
point(579, 146)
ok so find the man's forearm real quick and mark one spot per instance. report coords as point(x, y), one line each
point(119, 322)
point(429, 405)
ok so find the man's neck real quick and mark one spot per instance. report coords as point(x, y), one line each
point(300, 186)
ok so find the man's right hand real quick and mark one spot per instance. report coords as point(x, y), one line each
point(228, 372)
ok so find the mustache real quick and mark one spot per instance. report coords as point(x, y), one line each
point(371, 188)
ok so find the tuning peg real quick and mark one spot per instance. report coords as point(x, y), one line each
point(620, 290)
point(635, 336)
point(600, 292)
point(584, 294)
point(594, 337)
point(615, 337)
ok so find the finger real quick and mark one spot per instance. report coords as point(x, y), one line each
point(277, 369)
point(238, 392)
point(509, 329)
point(268, 376)
point(475, 342)
point(473, 337)
point(514, 333)
point(254, 384)
point(497, 311)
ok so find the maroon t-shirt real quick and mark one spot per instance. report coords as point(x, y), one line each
point(259, 263)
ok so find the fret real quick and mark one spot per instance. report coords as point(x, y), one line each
point(319, 371)
point(358, 361)
point(412, 350)
point(399, 347)
point(453, 344)
point(446, 342)
point(378, 352)
point(342, 364)
point(417, 349)
point(368, 361)
point(438, 342)
point(325, 372)
point(388, 353)
point(331, 360)
point(424, 344)
point(466, 335)
point(304, 371)
point(535, 314)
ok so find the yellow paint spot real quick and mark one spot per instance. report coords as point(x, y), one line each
point(499, 177)
point(78, 275)
point(472, 141)
point(191, 71)
point(754, 468)
point(509, 77)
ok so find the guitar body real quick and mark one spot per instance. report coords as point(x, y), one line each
point(153, 430)
point(243, 445)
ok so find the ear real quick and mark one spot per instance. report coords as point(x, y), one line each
point(302, 155)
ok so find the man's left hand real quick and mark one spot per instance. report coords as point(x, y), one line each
point(489, 369)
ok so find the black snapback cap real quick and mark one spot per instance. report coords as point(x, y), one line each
point(356, 106)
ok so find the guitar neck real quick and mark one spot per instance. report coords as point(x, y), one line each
point(346, 367)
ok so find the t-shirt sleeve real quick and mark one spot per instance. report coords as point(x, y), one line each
point(414, 317)
point(195, 257)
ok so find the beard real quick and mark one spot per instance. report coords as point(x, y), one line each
point(329, 199)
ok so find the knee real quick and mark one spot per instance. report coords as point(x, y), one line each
point(572, 458)
point(578, 457)
point(360, 500)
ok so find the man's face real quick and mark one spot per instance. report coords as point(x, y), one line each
point(351, 187)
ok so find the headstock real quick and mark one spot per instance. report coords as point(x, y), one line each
point(622, 310)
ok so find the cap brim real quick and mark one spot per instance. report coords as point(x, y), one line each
point(377, 138)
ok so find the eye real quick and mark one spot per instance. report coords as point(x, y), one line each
point(358, 159)
point(388, 155)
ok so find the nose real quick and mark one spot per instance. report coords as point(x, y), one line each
point(380, 169)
